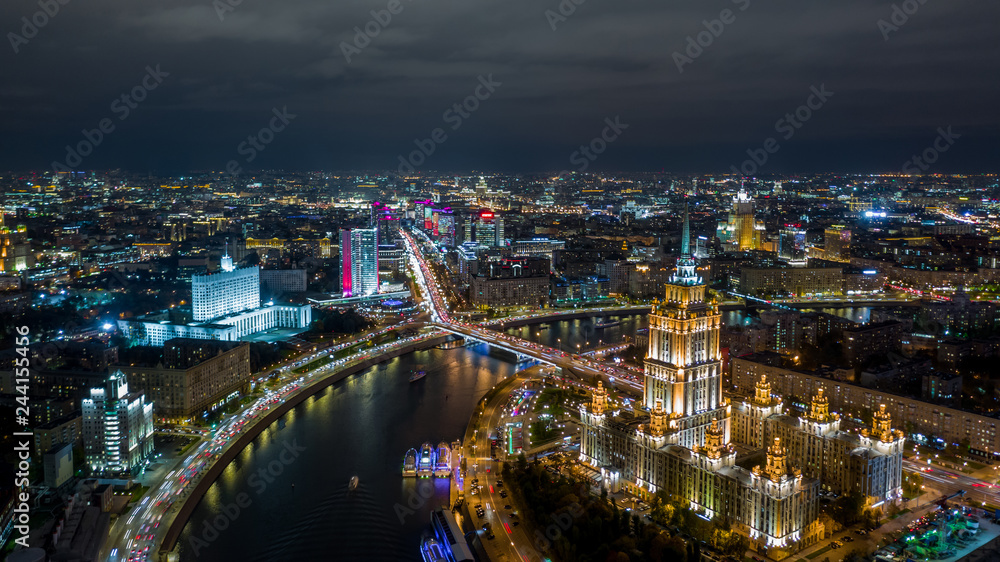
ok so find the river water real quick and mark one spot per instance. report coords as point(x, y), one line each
point(360, 426)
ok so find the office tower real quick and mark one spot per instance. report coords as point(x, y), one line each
point(488, 229)
point(792, 244)
point(359, 261)
point(386, 220)
point(225, 292)
point(838, 243)
point(117, 427)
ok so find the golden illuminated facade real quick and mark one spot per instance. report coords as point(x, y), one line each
point(15, 251)
point(744, 227)
point(683, 364)
point(869, 462)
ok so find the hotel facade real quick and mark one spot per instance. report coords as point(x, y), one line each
point(680, 442)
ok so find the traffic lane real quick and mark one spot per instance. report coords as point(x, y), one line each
point(492, 508)
point(518, 534)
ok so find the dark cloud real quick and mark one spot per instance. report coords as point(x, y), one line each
point(608, 58)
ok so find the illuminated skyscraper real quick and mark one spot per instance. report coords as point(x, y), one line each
point(683, 364)
point(359, 261)
point(682, 446)
point(792, 245)
point(838, 243)
point(745, 235)
point(117, 427)
point(487, 229)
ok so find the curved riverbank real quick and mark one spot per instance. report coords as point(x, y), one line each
point(254, 431)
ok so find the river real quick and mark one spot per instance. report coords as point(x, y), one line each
point(361, 426)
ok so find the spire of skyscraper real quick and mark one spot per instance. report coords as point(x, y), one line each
point(685, 272)
point(227, 260)
point(686, 236)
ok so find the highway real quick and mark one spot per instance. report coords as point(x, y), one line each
point(134, 537)
point(631, 379)
point(508, 536)
point(950, 482)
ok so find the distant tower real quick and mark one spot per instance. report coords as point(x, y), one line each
point(745, 232)
point(227, 260)
point(837, 243)
point(599, 399)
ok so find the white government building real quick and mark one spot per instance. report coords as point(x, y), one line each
point(225, 306)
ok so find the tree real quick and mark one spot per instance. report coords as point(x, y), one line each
point(963, 446)
point(736, 545)
point(848, 509)
point(912, 483)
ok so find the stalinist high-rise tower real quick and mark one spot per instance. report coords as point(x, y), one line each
point(683, 364)
point(681, 446)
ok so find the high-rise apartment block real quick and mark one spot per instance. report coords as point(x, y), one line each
point(837, 243)
point(117, 427)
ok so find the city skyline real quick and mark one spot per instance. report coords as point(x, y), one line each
point(663, 282)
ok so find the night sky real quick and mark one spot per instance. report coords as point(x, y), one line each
point(893, 84)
